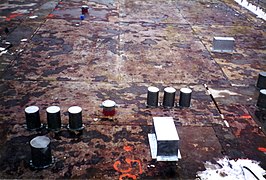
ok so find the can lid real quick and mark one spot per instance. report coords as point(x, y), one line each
point(153, 89)
point(263, 73)
point(85, 6)
point(74, 109)
point(108, 103)
point(186, 90)
point(263, 91)
point(169, 89)
point(31, 109)
point(53, 109)
point(40, 142)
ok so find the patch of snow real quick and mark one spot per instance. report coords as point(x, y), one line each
point(256, 10)
point(2, 51)
point(226, 169)
point(33, 17)
point(222, 93)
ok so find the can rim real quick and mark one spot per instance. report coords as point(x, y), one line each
point(31, 109)
point(170, 89)
point(153, 89)
point(74, 109)
point(53, 109)
point(40, 142)
point(108, 103)
point(186, 90)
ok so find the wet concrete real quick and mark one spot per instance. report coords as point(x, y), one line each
point(118, 51)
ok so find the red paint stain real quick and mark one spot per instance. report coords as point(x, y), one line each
point(50, 16)
point(13, 16)
point(127, 148)
point(246, 116)
point(262, 149)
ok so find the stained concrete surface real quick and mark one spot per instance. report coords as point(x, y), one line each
point(119, 50)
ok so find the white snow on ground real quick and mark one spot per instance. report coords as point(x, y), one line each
point(2, 51)
point(256, 10)
point(226, 169)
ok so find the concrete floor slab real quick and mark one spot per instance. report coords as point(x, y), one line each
point(118, 51)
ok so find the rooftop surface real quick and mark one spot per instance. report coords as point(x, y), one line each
point(120, 49)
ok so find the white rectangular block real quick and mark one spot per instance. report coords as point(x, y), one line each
point(165, 129)
point(166, 136)
point(223, 44)
point(153, 147)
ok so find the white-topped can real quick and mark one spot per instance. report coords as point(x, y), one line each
point(152, 96)
point(169, 97)
point(261, 102)
point(75, 118)
point(53, 118)
point(261, 82)
point(108, 107)
point(32, 118)
point(41, 152)
point(185, 97)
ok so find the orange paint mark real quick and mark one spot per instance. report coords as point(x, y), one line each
point(128, 148)
point(129, 161)
point(262, 149)
point(12, 16)
point(246, 116)
point(131, 171)
point(128, 176)
point(50, 16)
point(116, 167)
